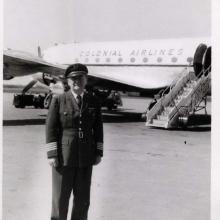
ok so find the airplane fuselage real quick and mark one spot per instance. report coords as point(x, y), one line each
point(147, 64)
point(169, 52)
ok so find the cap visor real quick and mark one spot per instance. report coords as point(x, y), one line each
point(75, 74)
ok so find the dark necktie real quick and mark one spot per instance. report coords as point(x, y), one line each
point(79, 100)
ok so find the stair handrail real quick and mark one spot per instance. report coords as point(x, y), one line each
point(170, 96)
point(189, 107)
point(174, 89)
point(160, 104)
point(174, 82)
point(202, 72)
point(204, 86)
point(206, 83)
point(173, 92)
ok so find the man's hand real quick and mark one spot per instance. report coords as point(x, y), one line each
point(97, 160)
point(53, 162)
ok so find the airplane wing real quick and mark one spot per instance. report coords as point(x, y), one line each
point(17, 63)
point(135, 77)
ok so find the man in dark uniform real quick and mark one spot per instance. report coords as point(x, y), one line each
point(74, 137)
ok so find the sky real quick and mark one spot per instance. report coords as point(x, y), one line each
point(29, 23)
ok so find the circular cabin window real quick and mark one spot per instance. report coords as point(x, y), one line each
point(145, 59)
point(132, 59)
point(174, 59)
point(189, 59)
point(108, 60)
point(120, 60)
point(159, 59)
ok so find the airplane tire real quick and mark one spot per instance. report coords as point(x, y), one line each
point(207, 61)
point(18, 101)
point(198, 59)
point(109, 108)
point(19, 106)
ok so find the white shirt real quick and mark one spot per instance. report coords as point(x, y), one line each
point(75, 95)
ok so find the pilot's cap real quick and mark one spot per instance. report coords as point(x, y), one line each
point(76, 69)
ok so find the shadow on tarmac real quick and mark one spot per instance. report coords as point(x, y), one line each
point(198, 123)
point(119, 116)
point(108, 117)
point(19, 122)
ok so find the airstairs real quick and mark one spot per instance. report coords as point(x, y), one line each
point(182, 100)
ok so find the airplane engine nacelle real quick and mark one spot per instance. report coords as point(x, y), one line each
point(6, 75)
point(44, 78)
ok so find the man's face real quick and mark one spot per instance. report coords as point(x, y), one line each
point(77, 83)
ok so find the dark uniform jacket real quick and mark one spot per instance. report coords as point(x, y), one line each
point(74, 135)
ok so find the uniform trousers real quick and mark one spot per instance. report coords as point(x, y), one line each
point(64, 181)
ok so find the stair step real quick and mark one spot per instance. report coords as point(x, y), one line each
point(178, 97)
point(159, 123)
point(163, 117)
point(193, 82)
point(168, 109)
point(177, 101)
point(164, 113)
point(187, 89)
point(172, 105)
point(185, 93)
point(190, 84)
point(181, 92)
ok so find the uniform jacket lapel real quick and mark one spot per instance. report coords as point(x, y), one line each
point(70, 98)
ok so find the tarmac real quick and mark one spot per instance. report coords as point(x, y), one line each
point(145, 173)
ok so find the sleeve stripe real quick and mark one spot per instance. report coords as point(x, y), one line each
point(51, 146)
point(99, 146)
